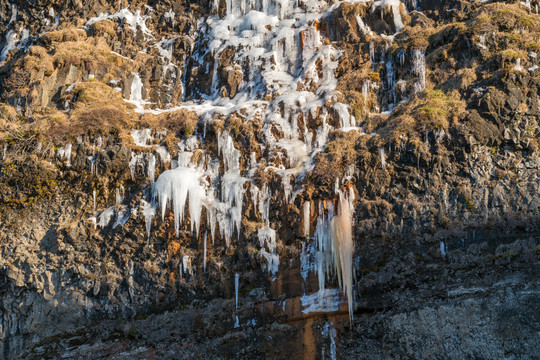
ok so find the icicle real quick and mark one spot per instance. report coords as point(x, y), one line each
point(204, 254)
point(105, 217)
point(365, 90)
point(372, 54)
point(286, 181)
point(394, 6)
point(419, 69)
point(174, 187)
point(118, 197)
point(307, 207)
point(383, 157)
point(149, 212)
point(343, 247)
point(94, 196)
point(518, 66)
point(152, 168)
point(443, 249)
point(236, 283)
point(13, 14)
point(267, 236)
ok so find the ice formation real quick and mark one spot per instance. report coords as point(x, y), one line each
point(136, 95)
point(65, 154)
point(236, 282)
point(175, 188)
point(382, 155)
point(307, 219)
point(105, 217)
point(394, 6)
point(419, 69)
point(267, 240)
point(142, 137)
point(286, 71)
point(334, 248)
point(149, 212)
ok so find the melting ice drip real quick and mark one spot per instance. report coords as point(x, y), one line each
point(334, 243)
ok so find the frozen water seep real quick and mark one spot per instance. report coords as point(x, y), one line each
point(307, 220)
point(149, 212)
point(324, 300)
point(394, 6)
point(287, 74)
point(64, 153)
point(105, 217)
point(267, 236)
point(419, 69)
point(143, 137)
point(334, 244)
point(382, 155)
point(136, 95)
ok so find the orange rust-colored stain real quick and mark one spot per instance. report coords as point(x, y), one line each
point(173, 248)
point(172, 277)
point(277, 286)
point(302, 39)
point(308, 340)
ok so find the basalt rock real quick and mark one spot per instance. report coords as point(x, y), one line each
point(421, 117)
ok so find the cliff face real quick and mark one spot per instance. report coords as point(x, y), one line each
point(237, 179)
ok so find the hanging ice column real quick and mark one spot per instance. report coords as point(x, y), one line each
point(419, 69)
point(335, 247)
point(173, 187)
point(232, 188)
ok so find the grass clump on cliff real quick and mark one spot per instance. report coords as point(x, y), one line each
point(431, 110)
point(339, 156)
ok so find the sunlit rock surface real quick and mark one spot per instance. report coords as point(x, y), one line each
point(269, 179)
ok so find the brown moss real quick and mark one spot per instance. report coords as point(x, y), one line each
point(38, 59)
point(338, 156)
point(432, 110)
point(64, 35)
point(92, 53)
point(92, 91)
point(16, 84)
point(179, 122)
point(104, 28)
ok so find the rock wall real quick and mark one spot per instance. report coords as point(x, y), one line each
point(422, 116)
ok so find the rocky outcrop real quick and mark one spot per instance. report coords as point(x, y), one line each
point(421, 115)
